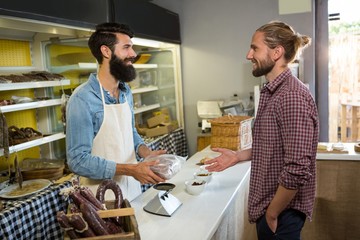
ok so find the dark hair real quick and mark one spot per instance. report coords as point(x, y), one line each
point(105, 34)
point(279, 33)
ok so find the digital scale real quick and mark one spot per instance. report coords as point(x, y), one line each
point(208, 110)
point(163, 204)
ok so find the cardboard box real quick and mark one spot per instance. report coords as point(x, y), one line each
point(157, 131)
point(162, 111)
point(161, 130)
point(157, 120)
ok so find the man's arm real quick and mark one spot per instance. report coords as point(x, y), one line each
point(281, 200)
point(144, 151)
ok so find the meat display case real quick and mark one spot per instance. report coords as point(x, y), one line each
point(62, 49)
point(158, 82)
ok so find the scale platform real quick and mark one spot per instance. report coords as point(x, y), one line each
point(163, 204)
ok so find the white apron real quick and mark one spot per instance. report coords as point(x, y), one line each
point(114, 142)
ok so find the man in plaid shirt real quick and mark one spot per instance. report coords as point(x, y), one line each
point(285, 137)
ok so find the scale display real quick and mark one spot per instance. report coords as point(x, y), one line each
point(163, 204)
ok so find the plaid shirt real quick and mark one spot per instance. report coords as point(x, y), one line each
point(286, 131)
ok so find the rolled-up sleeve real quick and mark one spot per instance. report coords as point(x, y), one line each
point(297, 121)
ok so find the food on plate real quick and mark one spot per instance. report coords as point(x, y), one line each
point(203, 160)
point(331, 148)
point(27, 188)
point(195, 187)
point(203, 174)
point(357, 147)
point(322, 146)
point(338, 146)
point(197, 183)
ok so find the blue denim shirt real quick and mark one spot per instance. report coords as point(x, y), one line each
point(84, 116)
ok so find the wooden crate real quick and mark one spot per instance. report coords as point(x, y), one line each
point(131, 226)
point(231, 132)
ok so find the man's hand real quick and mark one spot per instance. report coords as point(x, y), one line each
point(144, 174)
point(156, 153)
point(144, 151)
point(272, 222)
point(227, 159)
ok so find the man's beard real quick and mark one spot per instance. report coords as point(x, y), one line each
point(121, 71)
point(263, 67)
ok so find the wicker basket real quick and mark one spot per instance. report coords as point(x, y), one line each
point(231, 132)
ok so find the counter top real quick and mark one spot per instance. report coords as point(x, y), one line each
point(351, 155)
point(199, 216)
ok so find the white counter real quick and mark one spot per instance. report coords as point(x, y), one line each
point(221, 207)
point(351, 155)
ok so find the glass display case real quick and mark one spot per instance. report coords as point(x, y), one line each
point(156, 89)
point(60, 49)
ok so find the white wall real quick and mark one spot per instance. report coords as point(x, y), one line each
point(215, 39)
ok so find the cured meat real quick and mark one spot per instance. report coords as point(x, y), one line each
point(78, 199)
point(97, 224)
point(65, 224)
point(4, 136)
point(87, 193)
point(112, 185)
point(81, 226)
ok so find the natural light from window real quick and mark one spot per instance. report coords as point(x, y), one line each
point(344, 70)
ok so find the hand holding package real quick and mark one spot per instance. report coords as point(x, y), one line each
point(168, 165)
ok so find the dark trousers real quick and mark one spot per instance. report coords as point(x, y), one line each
point(290, 223)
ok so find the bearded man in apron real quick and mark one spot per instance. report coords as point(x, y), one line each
point(101, 138)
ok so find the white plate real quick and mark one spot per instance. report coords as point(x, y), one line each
point(40, 185)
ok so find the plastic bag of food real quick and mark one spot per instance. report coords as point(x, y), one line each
point(168, 165)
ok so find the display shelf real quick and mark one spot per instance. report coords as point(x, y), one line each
point(144, 90)
point(166, 66)
point(34, 143)
point(146, 108)
point(80, 67)
point(145, 66)
point(86, 67)
point(17, 69)
point(167, 103)
point(158, 81)
point(30, 105)
point(27, 85)
point(168, 86)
